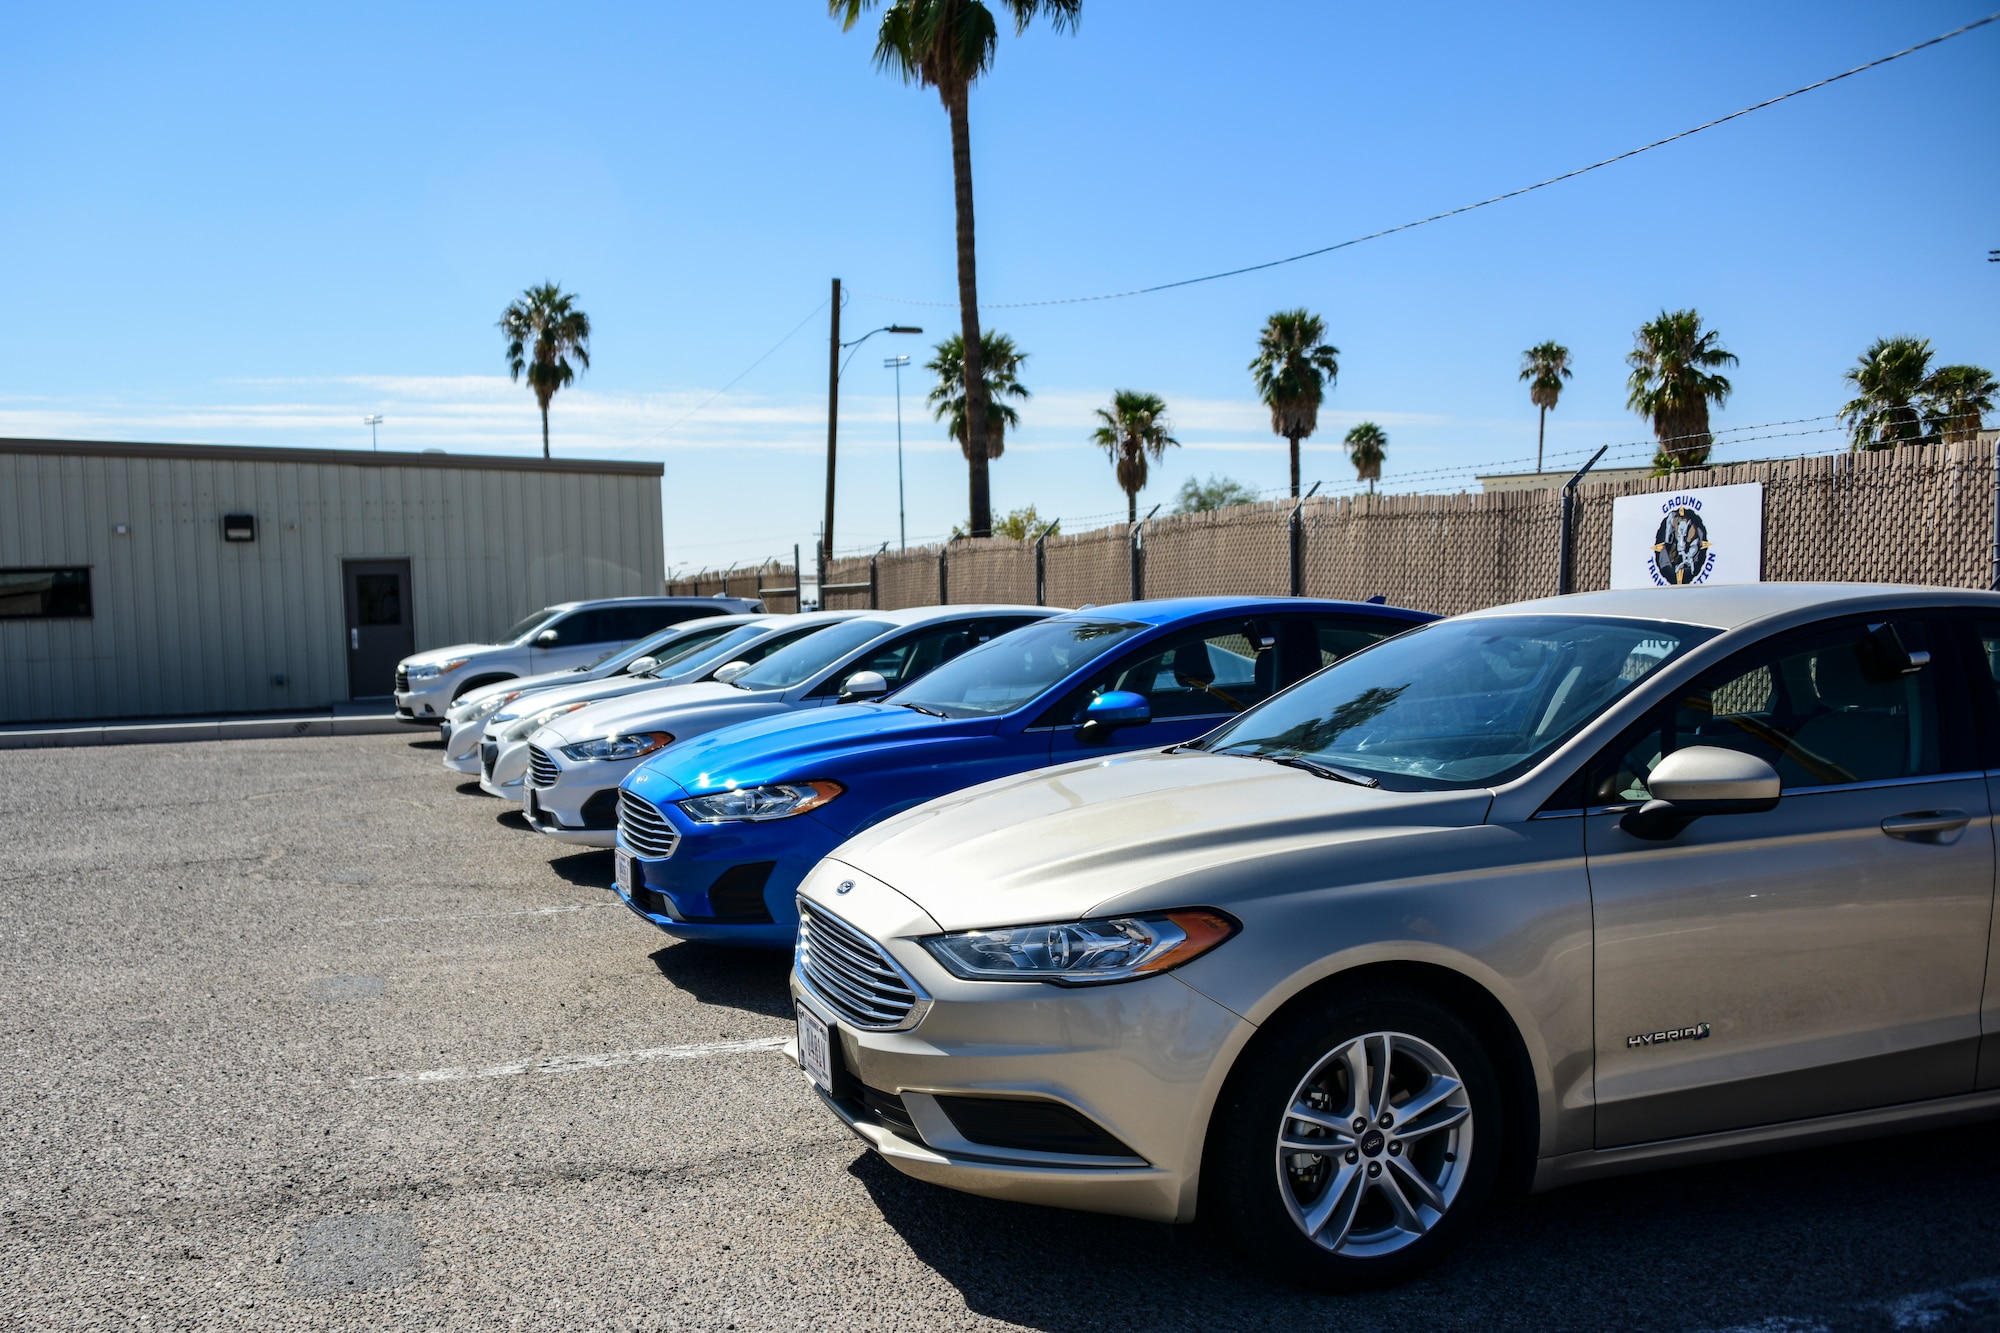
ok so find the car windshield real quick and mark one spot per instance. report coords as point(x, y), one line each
point(530, 624)
point(810, 656)
point(697, 652)
point(1005, 673)
point(1459, 703)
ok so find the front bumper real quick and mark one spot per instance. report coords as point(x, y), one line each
point(581, 806)
point(1143, 1062)
point(425, 702)
point(503, 767)
point(729, 883)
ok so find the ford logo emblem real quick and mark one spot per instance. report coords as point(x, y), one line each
point(845, 886)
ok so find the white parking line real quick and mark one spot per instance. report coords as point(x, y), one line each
point(471, 916)
point(570, 1064)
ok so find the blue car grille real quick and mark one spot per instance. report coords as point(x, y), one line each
point(542, 770)
point(853, 975)
point(645, 830)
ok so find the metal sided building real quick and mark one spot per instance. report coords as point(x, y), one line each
point(141, 580)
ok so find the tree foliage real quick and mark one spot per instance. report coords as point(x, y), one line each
point(1674, 363)
point(1133, 431)
point(544, 331)
point(1900, 399)
point(1293, 369)
point(1203, 497)
point(1000, 365)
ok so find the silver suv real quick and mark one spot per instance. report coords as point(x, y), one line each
point(555, 638)
point(1544, 893)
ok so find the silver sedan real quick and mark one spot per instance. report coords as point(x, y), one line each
point(1551, 891)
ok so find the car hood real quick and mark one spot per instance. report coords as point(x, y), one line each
point(647, 709)
point(808, 743)
point(439, 656)
point(1132, 832)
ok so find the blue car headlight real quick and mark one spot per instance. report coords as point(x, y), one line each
point(777, 800)
point(631, 746)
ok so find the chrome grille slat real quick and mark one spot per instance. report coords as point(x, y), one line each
point(542, 769)
point(402, 680)
point(853, 975)
point(645, 830)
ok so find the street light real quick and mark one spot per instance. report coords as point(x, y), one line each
point(834, 366)
point(897, 363)
point(372, 423)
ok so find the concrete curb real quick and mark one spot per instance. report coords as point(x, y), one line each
point(168, 731)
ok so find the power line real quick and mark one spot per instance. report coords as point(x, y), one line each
point(739, 376)
point(1467, 208)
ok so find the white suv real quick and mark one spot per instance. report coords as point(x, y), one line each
point(555, 638)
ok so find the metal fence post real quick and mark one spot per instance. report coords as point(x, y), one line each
point(1042, 565)
point(1298, 543)
point(1566, 532)
point(874, 584)
point(944, 589)
point(1994, 581)
point(1138, 553)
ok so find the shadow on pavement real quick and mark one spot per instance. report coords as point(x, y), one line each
point(471, 787)
point(1818, 1239)
point(593, 869)
point(513, 818)
point(754, 980)
point(432, 744)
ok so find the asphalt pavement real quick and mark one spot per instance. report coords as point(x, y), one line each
point(306, 1033)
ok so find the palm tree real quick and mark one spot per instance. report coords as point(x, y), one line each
point(1134, 429)
point(1294, 368)
point(947, 45)
point(1889, 383)
point(546, 316)
point(1957, 399)
point(1000, 366)
point(1544, 367)
point(1367, 445)
point(1673, 382)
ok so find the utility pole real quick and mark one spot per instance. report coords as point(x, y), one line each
point(902, 528)
point(372, 422)
point(832, 425)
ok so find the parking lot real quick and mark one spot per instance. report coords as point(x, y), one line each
point(306, 1033)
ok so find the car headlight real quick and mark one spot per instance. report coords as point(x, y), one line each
point(433, 670)
point(486, 707)
point(777, 800)
point(1083, 953)
point(630, 746)
point(534, 722)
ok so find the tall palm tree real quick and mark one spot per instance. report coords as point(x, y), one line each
point(1544, 367)
point(1367, 445)
point(544, 330)
point(1000, 366)
point(1134, 429)
point(947, 45)
point(1889, 383)
point(1294, 368)
point(1958, 399)
point(1673, 381)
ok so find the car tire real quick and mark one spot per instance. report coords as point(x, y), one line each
point(1365, 1212)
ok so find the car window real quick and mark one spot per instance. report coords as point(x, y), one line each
point(581, 628)
point(1828, 706)
point(639, 621)
point(1211, 670)
point(1013, 669)
point(1457, 703)
point(910, 656)
point(521, 628)
point(1336, 636)
point(677, 656)
point(811, 655)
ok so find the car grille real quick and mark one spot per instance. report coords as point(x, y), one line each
point(403, 680)
point(542, 770)
point(488, 752)
point(852, 975)
point(645, 830)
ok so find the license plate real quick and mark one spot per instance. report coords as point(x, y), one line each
point(815, 1048)
point(624, 859)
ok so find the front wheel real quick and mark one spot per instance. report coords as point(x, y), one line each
point(1361, 1145)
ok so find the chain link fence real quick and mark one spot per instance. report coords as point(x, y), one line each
point(1919, 514)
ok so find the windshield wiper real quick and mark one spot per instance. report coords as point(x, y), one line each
point(919, 708)
point(1312, 766)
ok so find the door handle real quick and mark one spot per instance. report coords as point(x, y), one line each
point(354, 639)
point(1926, 825)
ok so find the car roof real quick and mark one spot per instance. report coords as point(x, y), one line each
point(644, 601)
point(1170, 610)
point(924, 615)
point(1732, 605)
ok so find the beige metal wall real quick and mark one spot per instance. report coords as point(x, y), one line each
point(187, 623)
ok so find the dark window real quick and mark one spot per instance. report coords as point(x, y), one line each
point(44, 594)
point(579, 628)
point(640, 621)
point(380, 597)
point(1825, 706)
point(1212, 670)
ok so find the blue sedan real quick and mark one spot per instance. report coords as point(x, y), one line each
point(715, 834)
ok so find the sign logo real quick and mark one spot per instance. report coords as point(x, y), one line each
point(846, 886)
point(1695, 1033)
point(1682, 552)
point(1688, 538)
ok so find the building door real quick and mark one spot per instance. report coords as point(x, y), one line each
point(380, 630)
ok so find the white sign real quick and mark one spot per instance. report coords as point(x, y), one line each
point(1714, 534)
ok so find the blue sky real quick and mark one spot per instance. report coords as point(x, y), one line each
point(257, 224)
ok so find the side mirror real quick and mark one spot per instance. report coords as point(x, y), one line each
point(729, 671)
point(863, 685)
point(546, 639)
point(639, 666)
point(1113, 709)
point(1702, 780)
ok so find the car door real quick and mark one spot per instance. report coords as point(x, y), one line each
point(1984, 675)
point(1824, 956)
point(1194, 679)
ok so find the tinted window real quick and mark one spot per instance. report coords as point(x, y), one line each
point(1830, 706)
point(810, 656)
point(581, 628)
point(44, 594)
point(920, 652)
point(1334, 637)
point(690, 648)
point(639, 621)
point(1212, 670)
point(522, 628)
point(1010, 671)
point(1459, 702)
